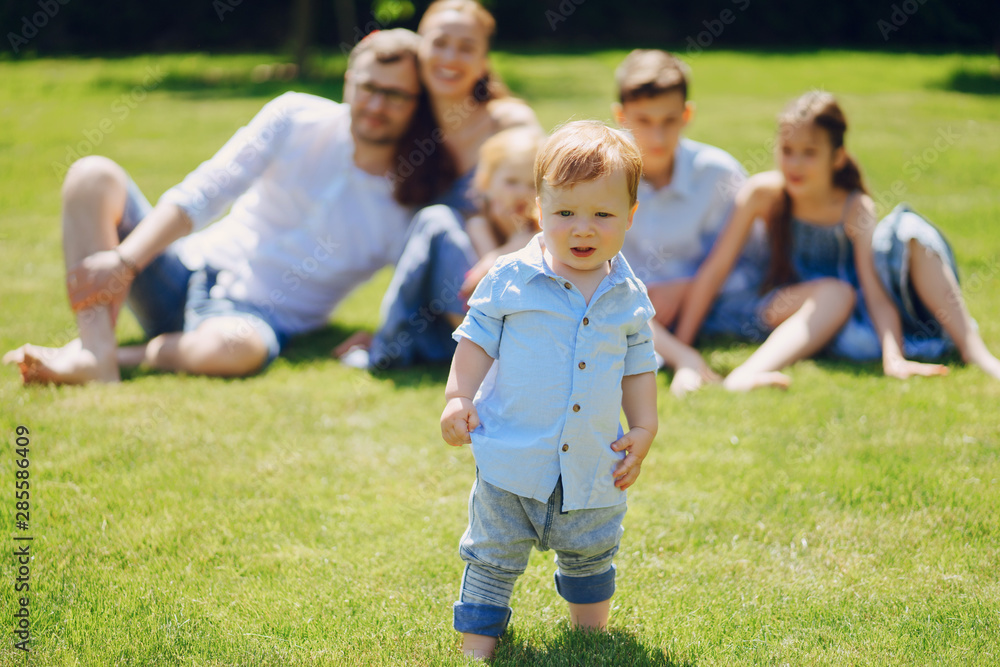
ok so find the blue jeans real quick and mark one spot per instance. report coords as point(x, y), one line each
point(503, 527)
point(424, 288)
point(167, 296)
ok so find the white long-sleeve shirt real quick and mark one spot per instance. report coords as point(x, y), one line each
point(306, 225)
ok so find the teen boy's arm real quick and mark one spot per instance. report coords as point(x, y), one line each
point(639, 404)
point(468, 369)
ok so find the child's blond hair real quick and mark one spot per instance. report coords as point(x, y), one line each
point(586, 150)
point(500, 147)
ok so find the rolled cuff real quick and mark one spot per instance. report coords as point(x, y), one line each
point(481, 619)
point(586, 590)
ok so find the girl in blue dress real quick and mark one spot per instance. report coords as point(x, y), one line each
point(839, 278)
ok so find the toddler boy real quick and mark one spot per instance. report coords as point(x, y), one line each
point(556, 343)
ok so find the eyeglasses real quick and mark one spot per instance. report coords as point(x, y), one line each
point(393, 96)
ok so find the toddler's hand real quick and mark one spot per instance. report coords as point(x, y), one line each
point(636, 442)
point(458, 420)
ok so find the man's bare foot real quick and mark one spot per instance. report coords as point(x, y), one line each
point(70, 364)
point(741, 380)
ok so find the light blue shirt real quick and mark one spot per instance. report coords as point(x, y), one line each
point(675, 226)
point(550, 406)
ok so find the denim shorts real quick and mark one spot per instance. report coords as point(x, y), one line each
point(503, 528)
point(167, 296)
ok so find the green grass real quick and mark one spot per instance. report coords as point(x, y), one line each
point(311, 515)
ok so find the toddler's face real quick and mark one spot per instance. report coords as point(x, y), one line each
point(511, 191)
point(656, 124)
point(584, 225)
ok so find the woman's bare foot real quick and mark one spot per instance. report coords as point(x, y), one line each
point(745, 380)
point(70, 364)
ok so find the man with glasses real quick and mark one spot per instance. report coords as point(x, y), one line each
point(314, 213)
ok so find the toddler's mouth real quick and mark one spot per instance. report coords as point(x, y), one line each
point(582, 252)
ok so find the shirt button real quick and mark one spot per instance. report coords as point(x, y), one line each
point(582, 365)
point(565, 448)
point(576, 408)
point(567, 286)
point(586, 321)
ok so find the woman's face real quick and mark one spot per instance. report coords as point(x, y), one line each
point(452, 54)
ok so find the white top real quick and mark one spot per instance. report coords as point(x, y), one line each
point(306, 224)
point(676, 225)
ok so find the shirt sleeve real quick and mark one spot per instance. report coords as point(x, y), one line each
point(639, 356)
point(207, 192)
point(483, 324)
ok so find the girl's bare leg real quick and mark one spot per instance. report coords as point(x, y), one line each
point(938, 288)
point(805, 316)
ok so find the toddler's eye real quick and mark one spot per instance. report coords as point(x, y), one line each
point(565, 214)
point(603, 214)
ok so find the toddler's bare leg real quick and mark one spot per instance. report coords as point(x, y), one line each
point(593, 616)
point(480, 647)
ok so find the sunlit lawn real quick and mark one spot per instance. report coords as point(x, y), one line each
point(310, 515)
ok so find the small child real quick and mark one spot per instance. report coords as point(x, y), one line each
point(507, 217)
point(411, 331)
point(556, 343)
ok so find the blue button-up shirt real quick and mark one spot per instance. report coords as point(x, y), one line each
point(550, 406)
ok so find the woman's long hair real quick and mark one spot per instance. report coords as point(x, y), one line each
point(820, 109)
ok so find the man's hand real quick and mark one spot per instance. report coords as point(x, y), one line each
point(636, 442)
point(458, 420)
point(101, 279)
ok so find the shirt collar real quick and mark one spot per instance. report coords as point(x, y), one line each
point(533, 258)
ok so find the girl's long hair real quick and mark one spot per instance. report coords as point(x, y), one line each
point(820, 109)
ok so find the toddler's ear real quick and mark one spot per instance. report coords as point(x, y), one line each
point(631, 214)
point(538, 209)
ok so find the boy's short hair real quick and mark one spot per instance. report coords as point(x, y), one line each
point(586, 150)
point(650, 72)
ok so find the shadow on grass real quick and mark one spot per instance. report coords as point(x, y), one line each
point(315, 348)
point(973, 82)
point(580, 648)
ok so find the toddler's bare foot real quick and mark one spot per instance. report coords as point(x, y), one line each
point(740, 380)
point(70, 364)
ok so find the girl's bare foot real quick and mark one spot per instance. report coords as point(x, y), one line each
point(743, 380)
point(70, 364)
